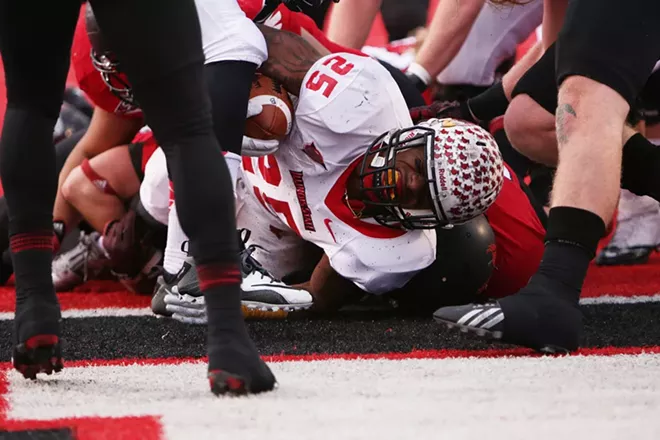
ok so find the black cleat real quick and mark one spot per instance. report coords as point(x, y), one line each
point(485, 320)
point(536, 317)
point(223, 383)
point(628, 256)
point(37, 343)
point(235, 368)
point(39, 354)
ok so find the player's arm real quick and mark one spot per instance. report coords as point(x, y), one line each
point(448, 31)
point(329, 289)
point(289, 58)
point(351, 21)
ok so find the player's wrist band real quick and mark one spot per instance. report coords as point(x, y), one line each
point(419, 75)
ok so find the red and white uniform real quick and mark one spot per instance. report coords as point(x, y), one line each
point(90, 80)
point(297, 193)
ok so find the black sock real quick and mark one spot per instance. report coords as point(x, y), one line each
point(34, 288)
point(489, 104)
point(571, 242)
point(640, 165)
point(221, 285)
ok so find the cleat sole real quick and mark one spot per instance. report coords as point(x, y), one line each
point(39, 354)
point(275, 307)
point(481, 332)
point(497, 336)
point(224, 383)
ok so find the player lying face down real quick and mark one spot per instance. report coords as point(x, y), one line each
point(355, 163)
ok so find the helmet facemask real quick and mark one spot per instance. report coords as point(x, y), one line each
point(379, 188)
point(106, 64)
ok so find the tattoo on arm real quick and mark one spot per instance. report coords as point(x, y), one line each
point(289, 58)
point(565, 113)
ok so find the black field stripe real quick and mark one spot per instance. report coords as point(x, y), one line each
point(38, 434)
point(147, 337)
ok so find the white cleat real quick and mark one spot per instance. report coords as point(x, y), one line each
point(84, 261)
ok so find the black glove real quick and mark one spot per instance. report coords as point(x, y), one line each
point(417, 81)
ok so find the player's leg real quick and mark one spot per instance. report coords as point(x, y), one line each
point(637, 232)
point(99, 187)
point(599, 76)
point(35, 87)
point(98, 190)
point(529, 120)
point(276, 246)
point(234, 48)
point(264, 239)
point(134, 242)
point(62, 150)
point(164, 61)
point(599, 73)
point(350, 22)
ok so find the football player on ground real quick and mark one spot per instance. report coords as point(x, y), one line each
point(117, 119)
point(99, 185)
point(367, 201)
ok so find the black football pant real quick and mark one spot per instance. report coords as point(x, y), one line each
point(159, 45)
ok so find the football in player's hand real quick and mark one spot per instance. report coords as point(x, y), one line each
point(276, 116)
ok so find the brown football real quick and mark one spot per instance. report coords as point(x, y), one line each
point(274, 122)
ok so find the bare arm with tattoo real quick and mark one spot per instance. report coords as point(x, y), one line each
point(290, 57)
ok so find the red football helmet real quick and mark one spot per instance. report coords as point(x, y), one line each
point(105, 61)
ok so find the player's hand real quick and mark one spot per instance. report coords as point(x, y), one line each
point(443, 109)
point(257, 147)
point(186, 308)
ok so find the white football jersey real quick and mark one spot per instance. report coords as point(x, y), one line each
point(346, 101)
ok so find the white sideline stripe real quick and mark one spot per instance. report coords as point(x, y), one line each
point(612, 299)
point(94, 313)
point(544, 398)
point(128, 311)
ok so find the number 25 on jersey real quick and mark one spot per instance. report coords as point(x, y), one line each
point(338, 66)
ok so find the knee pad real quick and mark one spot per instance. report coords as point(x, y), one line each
point(100, 182)
point(228, 34)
